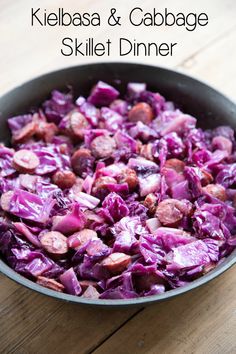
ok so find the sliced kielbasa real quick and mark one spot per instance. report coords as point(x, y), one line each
point(146, 151)
point(6, 200)
point(142, 112)
point(150, 202)
point(64, 179)
point(46, 131)
point(171, 211)
point(130, 177)
point(54, 242)
point(116, 262)
point(216, 190)
point(25, 133)
point(206, 177)
point(50, 283)
point(175, 164)
point(78, 123)
point(100, 187)
point(82, 162)
point(79, 239)
point(103, 146)
point(25, 161)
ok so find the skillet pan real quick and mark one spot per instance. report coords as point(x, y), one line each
point(210, 108)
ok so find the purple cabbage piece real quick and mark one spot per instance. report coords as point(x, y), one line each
point(6, 157)
point(123, 140)
point(134, 89)
point(18, 122)
point(143, 132)
point(102, 94)
point(227, 175)
point(125, 232)
point(119, 106)
point(71, 222)
point(113, 208)
point(169, 238)
point(112, 120)
point(191, 255)
point(150, 250)
point(70, 282)
point(86, 201)
point(29, 206)
point(58, 106)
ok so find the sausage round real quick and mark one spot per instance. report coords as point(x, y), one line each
point(216, 190)
point(116, 262)
point(78, 239)
point(64, 179)
point(5, 200)
point(25, 133)
point(146, 151)
point(78, 123)
point(130, 177)
point(169, 212)
point(82, 161)
point(150, 202)
point(25, 161)
point(175, 164)
point(103, 146)
point(142, 112)
point(100, 188)
point(50, 283)
point(54, 242)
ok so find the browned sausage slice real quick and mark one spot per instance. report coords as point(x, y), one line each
point(50, 283)
point(81, 161)
point(78, 239)
point(146, 151)
point(130, 177)
point(100, 187)
point(54, 242)
point(150, 202)
point(141, 112)
point(78, 123)
point(116, 262)
point(25, 133)
point(25, 161)
point(103, 146)
point(175, 164)
point(5, 200)
point(216, 190)
point(64, 179)
point(46, 131)
point(170, 212)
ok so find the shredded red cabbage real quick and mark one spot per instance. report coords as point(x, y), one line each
point(116, 198)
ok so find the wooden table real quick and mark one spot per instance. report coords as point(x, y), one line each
point(203, 321)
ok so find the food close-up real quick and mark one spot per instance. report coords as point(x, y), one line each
point(116, 196)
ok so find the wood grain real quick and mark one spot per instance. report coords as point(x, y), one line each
point(31, 322)
point(203, 321)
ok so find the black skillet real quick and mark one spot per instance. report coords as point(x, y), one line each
point(194, 97)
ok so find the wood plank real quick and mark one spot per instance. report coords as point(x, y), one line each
point(202, 321)
point(36, 323)
point(216, 65)
point(21, 312)
point(74, 329)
